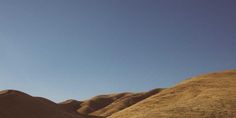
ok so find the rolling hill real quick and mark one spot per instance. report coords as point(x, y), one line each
point(16, 104)
point(207, 96)
point(210, 95)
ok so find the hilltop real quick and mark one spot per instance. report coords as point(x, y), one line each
point(208, 96)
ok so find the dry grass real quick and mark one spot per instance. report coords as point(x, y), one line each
point(15, 104)
point(106, 105)
point(207, 96)
point(124, 102)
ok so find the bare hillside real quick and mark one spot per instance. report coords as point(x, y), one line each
point(106, 105)
point(15, 104)
point(206, 96)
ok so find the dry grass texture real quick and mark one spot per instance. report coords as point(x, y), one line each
point(207, 96)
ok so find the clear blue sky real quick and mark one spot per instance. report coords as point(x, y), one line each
point(62, 49)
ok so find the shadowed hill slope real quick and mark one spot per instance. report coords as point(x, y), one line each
point(98, 102)
point(207, 96)
point(124, 102)
point(15, 104)
point(71, 105)
point(106, 105)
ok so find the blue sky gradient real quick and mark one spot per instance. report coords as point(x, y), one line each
point(62, 49)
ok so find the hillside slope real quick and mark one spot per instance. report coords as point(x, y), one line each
point(207, 96)
point(124, 102)
point(15, 104)
point(106, 105)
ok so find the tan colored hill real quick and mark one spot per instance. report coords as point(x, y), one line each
point(124, 102)
point(207, 96)
point(106, 105)
point(99, 102)
point(16, 104)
